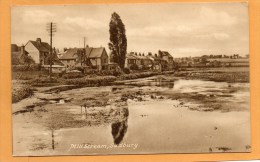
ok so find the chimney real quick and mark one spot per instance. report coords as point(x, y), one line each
point(38, 40)
point(155, 55)
point(22, 49)
point(160, 53)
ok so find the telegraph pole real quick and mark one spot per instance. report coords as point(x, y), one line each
point(51, 28)
point(84, 50)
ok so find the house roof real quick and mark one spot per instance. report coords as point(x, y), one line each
point(41, 46)
point(14, 47)
point(131, 56)
point(70, 54)
point(90, 53)
point(94, 52)
point(165, 53)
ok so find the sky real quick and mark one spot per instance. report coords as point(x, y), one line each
point(183, 29)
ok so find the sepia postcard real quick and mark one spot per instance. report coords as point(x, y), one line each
point(151, 78)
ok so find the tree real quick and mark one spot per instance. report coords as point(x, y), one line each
point(118, 41)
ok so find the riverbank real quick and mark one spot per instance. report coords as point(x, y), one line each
point(23, 88)
point(230, 75)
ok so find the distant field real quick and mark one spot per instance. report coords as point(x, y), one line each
point(223, 69)
point(229, 60)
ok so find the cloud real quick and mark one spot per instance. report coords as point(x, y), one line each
point(160, 30)
point(183, 28)
point(82, 22)
point(188, 50)
point(215, 36)
point(37, 16)
point(221, 36)
point(210, 16)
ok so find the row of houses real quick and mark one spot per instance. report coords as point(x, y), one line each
point(96, 58)
point(88, 57)
point(161, 61)
point(231, 61)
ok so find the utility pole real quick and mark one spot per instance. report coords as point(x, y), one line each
point(84, 50)
point(51, 28)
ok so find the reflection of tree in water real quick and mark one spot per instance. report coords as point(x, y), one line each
point(164, 83)
point(119, 128)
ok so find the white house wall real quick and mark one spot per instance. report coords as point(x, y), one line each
point(33, 52)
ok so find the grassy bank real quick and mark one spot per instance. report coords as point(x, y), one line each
point(231, 75)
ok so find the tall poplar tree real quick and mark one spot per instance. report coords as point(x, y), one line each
point(118, 41)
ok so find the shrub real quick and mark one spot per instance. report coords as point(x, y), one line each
point(134, 67)
point(32, 67)
point(72, 75)
point(21, 93)
point(44, 81)
point(94, 81)
point(138, 75)
point(126, 70)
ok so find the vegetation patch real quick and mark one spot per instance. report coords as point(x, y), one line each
point(217, 76)
point(44, 81)
point(21, 93)
point(95, 81)
point(138, 75)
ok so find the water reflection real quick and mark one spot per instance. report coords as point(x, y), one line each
point(163, 83)
point(158, 82)
point(119, 128)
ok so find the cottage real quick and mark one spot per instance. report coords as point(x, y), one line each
point(168, 62)
point(70, 57)
point(131, 61)
point(98, 58)
point(95, 58)
point(157, 62)
point(139, 61)
point(20, 56)
point(38, 50)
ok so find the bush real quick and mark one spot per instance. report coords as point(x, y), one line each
point(21, 93)
point(103, 72)
point(95, 81)
point(90, 71)
point(138, 75)
point(126, 70)
point(27, 75)
point(72, 75)
point(134, 67)
point(44, 81)
point(32, 67)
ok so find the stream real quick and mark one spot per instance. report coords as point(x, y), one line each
point(153, 125)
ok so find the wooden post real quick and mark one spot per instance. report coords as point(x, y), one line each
point(51, 28)
point(52, 136)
